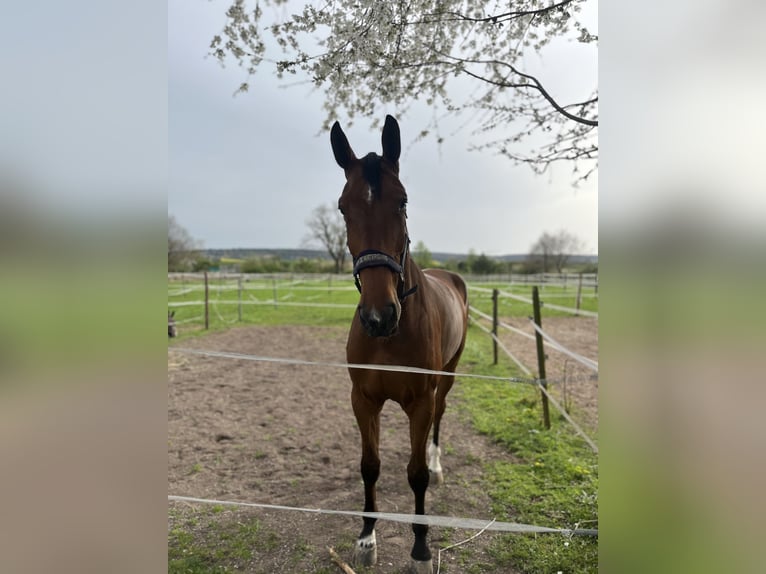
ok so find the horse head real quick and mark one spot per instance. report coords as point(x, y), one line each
point(374, 206)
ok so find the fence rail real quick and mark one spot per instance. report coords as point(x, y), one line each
point(589, 280)
point(305, 288)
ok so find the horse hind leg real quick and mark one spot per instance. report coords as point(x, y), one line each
point(434, 465)
point(434, 450)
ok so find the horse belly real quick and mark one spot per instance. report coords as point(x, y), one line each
point(452, 331)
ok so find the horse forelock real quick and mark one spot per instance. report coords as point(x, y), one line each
point(371, 169)
point(373, 166)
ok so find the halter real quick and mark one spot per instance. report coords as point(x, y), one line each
point(375, 258)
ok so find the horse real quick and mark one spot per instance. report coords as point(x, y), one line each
point(172, 329)
point(405, 316)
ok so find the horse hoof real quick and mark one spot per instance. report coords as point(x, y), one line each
point(437, 478)
point(365, 551)
point(421, 567)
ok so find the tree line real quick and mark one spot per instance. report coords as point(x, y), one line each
point(551, 253)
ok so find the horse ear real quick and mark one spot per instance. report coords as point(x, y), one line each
point(392, 143)
point(341, 149)
point(172, 314)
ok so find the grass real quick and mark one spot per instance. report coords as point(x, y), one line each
point(218, 547)
point(215, 540)
point(551, 480)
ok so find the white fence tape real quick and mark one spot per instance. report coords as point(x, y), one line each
point(363, 366)
point(428, 519)
point(565, 414)
point(590, 363)
point(502, 324)
point(502, 293)
point(388, 368)
point(266, 302)
point(503, 347)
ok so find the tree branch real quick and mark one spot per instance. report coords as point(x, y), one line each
point(535, 85)
point(458, 17)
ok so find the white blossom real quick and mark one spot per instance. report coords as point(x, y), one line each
point(365, 52)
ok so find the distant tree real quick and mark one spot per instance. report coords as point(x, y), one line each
point(326, 226)
point(266, 264)
point(202, 263)
point(421, 255)
point(469, 262)
point(181, 246)
point(553, 250)
point(483, 265)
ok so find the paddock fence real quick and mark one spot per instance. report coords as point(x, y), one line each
point(251, 290)
point(222, 292)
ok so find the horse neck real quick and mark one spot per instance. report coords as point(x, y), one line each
point(413, 275)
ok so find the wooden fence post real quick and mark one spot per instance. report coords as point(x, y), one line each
point(239, 298)
point(579, 294)
point(207, 304)
point(540, 355)
point(494, 324)
point(274, 287)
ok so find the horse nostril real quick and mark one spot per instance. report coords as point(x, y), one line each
point(379, 323)
point(389, 312)
point(370, 316)
point(374, 318)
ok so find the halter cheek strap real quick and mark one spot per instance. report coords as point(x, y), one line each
point(375, 258)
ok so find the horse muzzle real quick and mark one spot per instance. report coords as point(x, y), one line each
point(379, 322)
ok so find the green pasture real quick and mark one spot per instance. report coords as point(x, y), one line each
point(285, 300)
point(550, 477)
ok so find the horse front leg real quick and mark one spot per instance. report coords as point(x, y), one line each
point(421, 417)
point(368, 418)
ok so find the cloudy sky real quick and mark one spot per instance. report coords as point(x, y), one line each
point(246, 171)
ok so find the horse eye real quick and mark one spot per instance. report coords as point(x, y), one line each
point(403, 205)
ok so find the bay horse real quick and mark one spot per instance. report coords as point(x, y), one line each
point(406, 316)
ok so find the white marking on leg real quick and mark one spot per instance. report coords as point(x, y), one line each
point(367, 542)
point(366, 551)
point(434, 465)
point(434, 452)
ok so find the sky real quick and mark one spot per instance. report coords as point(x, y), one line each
point(246, 171)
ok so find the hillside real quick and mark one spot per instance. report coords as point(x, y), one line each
point(294, 254)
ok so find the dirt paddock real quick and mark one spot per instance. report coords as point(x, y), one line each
point(285, 434)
